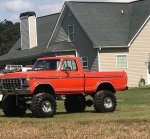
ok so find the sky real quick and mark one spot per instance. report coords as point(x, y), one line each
point(11, 9)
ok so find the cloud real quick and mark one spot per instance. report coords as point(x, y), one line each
point(2, 5)
point(50, 8)
point(18, 5)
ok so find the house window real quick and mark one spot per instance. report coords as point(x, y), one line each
point(71, 33)
point(84, 61)
point(121, 61)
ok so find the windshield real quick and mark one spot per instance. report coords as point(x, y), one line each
point(52, 64)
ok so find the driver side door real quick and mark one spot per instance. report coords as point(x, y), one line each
point(71, 79)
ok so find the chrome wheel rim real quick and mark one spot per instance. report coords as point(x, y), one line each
point(46, 107)
point(108, 103)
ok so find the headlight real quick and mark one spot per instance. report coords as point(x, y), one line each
point(25, 82)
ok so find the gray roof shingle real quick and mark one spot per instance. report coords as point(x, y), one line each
point(106, 25)
point(45, 27)
point(38, 51)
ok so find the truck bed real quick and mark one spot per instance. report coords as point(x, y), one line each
point(94, 79)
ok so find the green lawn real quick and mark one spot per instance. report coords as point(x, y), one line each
point(130, 120)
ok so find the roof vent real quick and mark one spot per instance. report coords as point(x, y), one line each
point(122, 12)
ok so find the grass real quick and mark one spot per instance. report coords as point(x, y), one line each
point(131, 120)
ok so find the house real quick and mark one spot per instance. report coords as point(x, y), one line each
point(106, 35)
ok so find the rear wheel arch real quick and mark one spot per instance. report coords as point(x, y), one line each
point(106, 86)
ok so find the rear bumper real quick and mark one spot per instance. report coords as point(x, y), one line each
point(15, 92)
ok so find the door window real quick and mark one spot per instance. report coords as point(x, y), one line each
point(71, 64)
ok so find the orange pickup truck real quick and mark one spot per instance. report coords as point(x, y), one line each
point(37, 89)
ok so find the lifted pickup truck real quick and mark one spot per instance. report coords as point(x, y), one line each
point(37, 89)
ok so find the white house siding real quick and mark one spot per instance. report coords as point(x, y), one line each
point(137, 54)
point(107, 59)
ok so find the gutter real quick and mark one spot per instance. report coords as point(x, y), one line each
point(100, 47)
point(71, 50)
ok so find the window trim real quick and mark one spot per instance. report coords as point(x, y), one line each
point(126, 61)
point(85, 61)
point(72, 33)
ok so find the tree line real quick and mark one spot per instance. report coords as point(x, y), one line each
point(9, 34)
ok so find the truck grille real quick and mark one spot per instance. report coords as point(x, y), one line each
point(11, 83)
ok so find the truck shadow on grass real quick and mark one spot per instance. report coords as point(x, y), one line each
point(30, 115)
point(87, 111)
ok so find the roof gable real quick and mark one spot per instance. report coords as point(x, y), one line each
point(107, 24)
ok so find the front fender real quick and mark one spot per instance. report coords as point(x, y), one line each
point(36, 84)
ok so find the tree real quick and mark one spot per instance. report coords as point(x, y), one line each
point(9, 34)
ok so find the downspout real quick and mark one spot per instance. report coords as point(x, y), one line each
point(98, 53)
point(76, 53)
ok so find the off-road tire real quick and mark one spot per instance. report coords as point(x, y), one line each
point(105, 101)
point(10, 109)
point(75, 103)
point(37, 105)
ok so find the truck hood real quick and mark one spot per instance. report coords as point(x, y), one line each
point(29, 74)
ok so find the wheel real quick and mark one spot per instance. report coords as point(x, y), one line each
point(43, 105)
point(105, 101)
point(75, 103)
point(10, 109)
